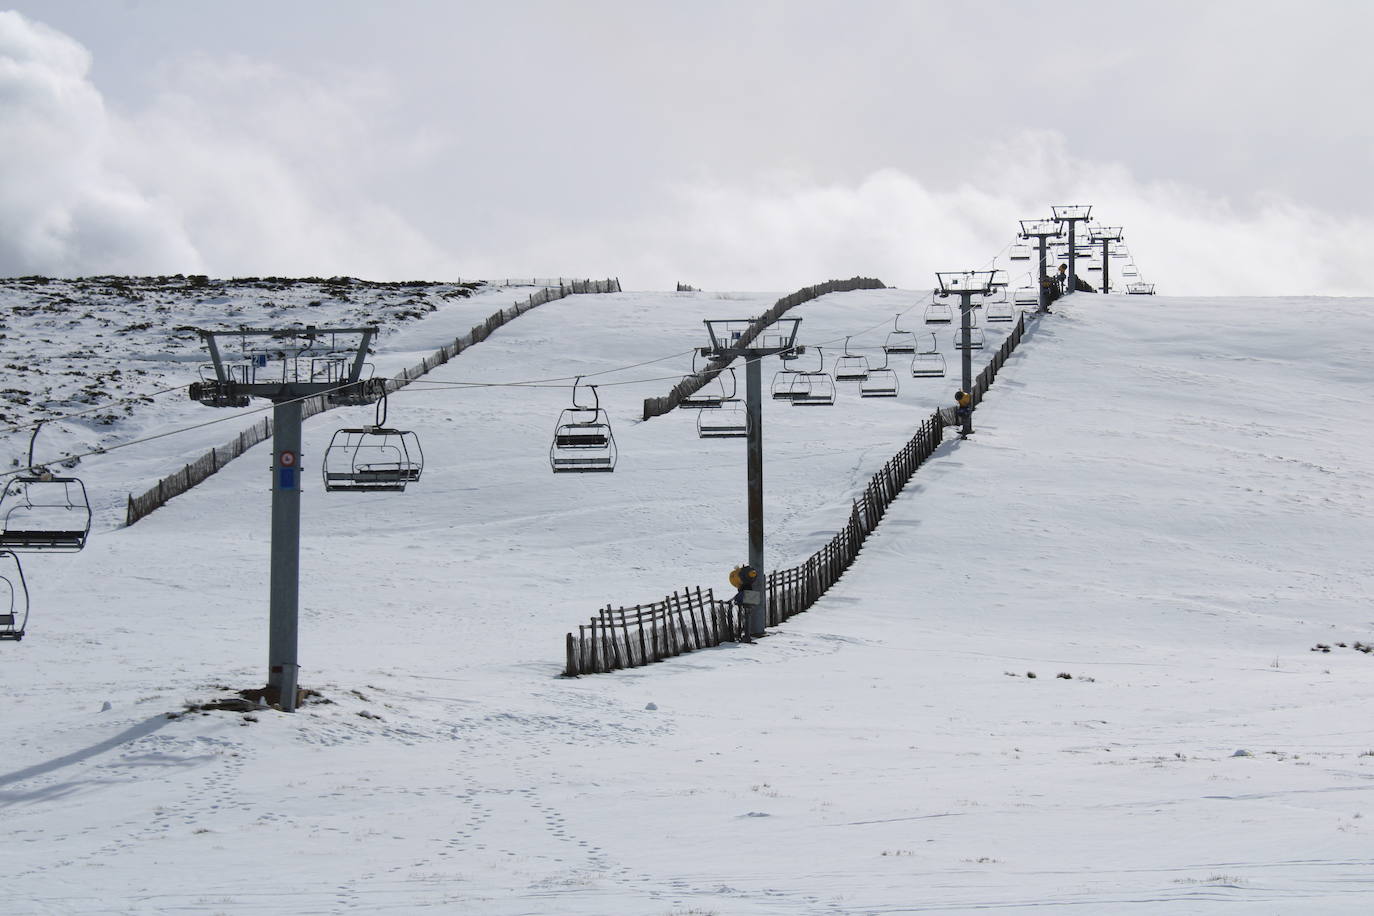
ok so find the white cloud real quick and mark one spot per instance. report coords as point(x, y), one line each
point(62, 209)
point(235, 165)
point(236, 168)
point(783, 231)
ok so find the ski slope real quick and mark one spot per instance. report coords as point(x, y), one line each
point(1167, 499)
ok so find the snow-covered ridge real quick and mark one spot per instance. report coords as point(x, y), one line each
point(68, 345)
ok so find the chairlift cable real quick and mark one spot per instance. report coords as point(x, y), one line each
point(423, 385)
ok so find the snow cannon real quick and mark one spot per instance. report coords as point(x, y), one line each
point(743, 579)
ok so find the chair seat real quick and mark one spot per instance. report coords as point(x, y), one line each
point(42, 539)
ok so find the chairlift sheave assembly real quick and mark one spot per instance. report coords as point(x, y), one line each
point(582, 438)
point(850, 367)
point(372, 459)
point(14, 597)
point(928, 363)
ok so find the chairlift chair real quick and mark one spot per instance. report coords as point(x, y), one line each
point(729, 420)
point(42, 512)
point(14, 597)
point(898, 340)
point(1019, 252)
point(850, 367)
point(975, 339)
point(880, 383)
point(820, 387)
point(999, 311)
point(372, 459)
point(788, 384)
point(1130, 271)
point(1140, 289)
point(939, 313)
point(582, 439)
point(928, 363)
point(712, 394)
point(1025, 298)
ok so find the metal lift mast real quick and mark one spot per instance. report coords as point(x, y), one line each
point(291, 365)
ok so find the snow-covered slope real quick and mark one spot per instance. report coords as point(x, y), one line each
point(1167, 500)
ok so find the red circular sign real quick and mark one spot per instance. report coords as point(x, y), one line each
point(287, 459)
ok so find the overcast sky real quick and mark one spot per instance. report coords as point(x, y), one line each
point(731, 145)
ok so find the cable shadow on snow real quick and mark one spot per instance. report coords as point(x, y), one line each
point(133, 733)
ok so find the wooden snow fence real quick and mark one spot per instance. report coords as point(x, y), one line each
point(197, 471)
point(657, 407)
point(629, 637)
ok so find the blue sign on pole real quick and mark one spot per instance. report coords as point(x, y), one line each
point(286, 479)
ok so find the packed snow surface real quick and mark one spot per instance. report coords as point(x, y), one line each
point(1031, 690)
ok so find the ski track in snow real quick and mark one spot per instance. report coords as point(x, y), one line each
point(1166, 499)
